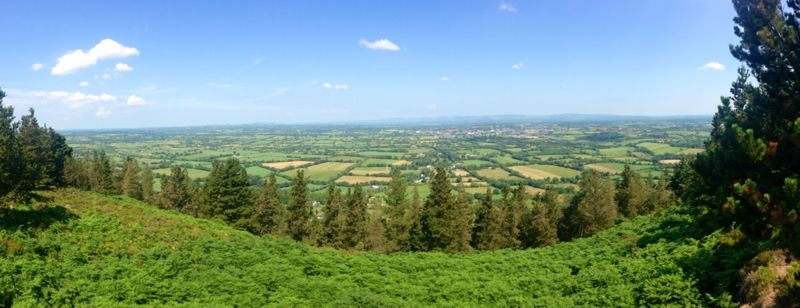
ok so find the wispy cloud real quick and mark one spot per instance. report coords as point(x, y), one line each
point(76, 60)
point(713, 66)
point(83, 84)
point(74, 99)
point(507, 7)
point(517, 66)
point(134, 100)
point(102, 112)
point(338, 86)
point(122, 67)
point(382, 44)
point(37, 66)
point(444, 78)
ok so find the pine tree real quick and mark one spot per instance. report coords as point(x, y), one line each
point(462, 221)
point(540, 225)
point(482, 219)
point(749, 173)
point(397, 230)
point(413, 218)
point(76, 173)
point(514, 212)
point(300, 211)
point(593, 209)
point(356, 218)
point(631, 194)
point(102, 175)
point(177, 192)
point(131, 181)
point(333, 219)
point(270, 214)
point(147, 183)
point(31, 144)
point(227, 194)
point(11, 166)
point(375, 231)
point(439, 220)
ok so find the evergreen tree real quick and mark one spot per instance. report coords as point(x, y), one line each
point(147, 183)
point(333, 220)
point(356, 218)
point(102, 175)
point(375, 233)
point(58, 152)
point(11, 168)
point(631, 194)
point(482, 219)
point(540, 226)
point(33, 154)
point(227, 194)
point(749, 173)
point(177, 192)
point(593, 209)
point(300, 211)
point(440, 221)
point(397, 231)
point(76, 173)
point(515, 210)
point(416, 237)
point(270, 215)
point(462, 221)
point(131, 181)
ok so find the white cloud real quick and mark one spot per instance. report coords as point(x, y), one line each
point(122, 67)
point(431, 107)
point(382, 44)
point(713, 66)
point(507, 7)
point(444, 78)
point(134, 100)
point(338, 86)
point(103, 112)
point(517, 66)
point(83, 84)
point(76, 60)
point(37, 66)
point(75, 99)
point(106, 76)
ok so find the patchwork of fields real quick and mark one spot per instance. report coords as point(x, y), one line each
point(538, 155)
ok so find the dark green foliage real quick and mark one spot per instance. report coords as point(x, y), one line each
point(102, 174)
point(413, 218)
point(77, 173)
point(396, 207)
point(270, 215)
point(147, 184)
point(177, 192)
point(333, 219)
point(10, 155)
point(227, 194)
point(515, 208)
point(749, 171)
point(131, 179)
point(593, 209)
point(540, 224)
point(299, 223)
point(631, 194)
point(440, 220)
point(355, 221)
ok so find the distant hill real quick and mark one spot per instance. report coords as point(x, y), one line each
point(88, 249)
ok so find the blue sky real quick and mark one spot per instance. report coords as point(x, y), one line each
point(108, 64)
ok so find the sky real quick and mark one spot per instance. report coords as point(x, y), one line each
point(128, 64)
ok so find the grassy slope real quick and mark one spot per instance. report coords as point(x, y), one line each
point(85, 248)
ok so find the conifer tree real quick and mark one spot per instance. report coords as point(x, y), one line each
point(631, 194)
point(540, 225)
point(355, 218)
point(482, 219)
point(131, 181)
point(333, 219)
point(10, 156)
point(440, 221)
point(593, 209)
point(375, 233)
point(397, 229)
point(76, 173)
point(413, 218)
point(147, 183)
point(270, 214)
point(299, 223)
point(462, 221)
point(177, 192)
point(227, 194)
point(515, 208)
point(102, 174)
point(749, 173)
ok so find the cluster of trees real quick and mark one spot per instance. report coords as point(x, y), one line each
point(749, 175)
point(31, 156)
point(444, 221)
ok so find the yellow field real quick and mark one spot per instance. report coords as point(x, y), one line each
point(533, 190)
point(670, 161)
point(533, 173)
point(370, 170)
point(355, 179)
point(601, 168)
point(460, 172)
point(401, 162)
point(286, 164)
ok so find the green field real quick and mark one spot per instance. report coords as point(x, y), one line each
point(659, 148)
point(193, 173)
point(538, 172)
point(322, 172)
point(496, 174)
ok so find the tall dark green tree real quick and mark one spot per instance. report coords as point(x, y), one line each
point(102, 173)
point(631, 193)
point(299, 222)
point(227, 194)
point(355, 207)
point(415, 240)
point(10, 156)
point(482, 219)
point(749, 173)
point(147, 183)
point(593, 208)
point(131, 179)
point(396, 207)
point(440, 219)
point(177, 192)
point(515, 207)
point(540, 225)
point(270, 214)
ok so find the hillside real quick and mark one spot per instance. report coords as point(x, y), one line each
point(89, 249)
